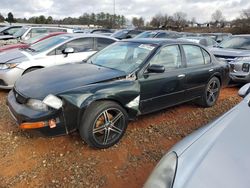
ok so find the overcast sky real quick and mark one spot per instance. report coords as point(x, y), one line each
point(200, 9)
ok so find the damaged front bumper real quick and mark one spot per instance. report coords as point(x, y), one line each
point(49, 123)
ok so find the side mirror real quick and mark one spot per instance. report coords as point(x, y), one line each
point(244, 90)
point(68, 51)
point(156, 69)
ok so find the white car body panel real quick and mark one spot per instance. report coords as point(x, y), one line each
point(42, 59)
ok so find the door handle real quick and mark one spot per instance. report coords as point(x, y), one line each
point(211, 70)
point(181, 75)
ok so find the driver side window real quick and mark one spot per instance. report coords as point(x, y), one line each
point(169, 57)
point(79, 45)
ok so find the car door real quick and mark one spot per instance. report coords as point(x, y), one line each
point(83, 48)
point(198, 70)
point(160, 90)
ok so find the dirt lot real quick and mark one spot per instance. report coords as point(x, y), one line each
point(30, 161)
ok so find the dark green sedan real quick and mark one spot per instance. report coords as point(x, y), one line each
point(126, 79)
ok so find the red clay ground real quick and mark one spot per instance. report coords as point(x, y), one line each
point(30, 161)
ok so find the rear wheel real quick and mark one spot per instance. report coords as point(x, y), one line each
point(103, 124)
point(211, 93)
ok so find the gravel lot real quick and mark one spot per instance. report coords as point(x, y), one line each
point(27, 160)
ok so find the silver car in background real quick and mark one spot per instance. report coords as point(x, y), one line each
point(58, 50)
point(27, 32)
point(215, 156)
point(236, 51)
point(205, 41)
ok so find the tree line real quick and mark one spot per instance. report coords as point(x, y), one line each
point(176, 21)
point(101, 19)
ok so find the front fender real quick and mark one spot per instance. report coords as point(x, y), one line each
point(125, 92)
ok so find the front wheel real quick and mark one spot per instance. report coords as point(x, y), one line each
point(211, 93)
point(103, 124)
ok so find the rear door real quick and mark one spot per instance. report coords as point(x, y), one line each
point(198, 71)
point(160, 90)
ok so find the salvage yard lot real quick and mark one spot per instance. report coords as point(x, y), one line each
point(27, 160)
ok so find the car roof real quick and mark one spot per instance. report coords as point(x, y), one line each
point(80, 35)
point(159, 41)
point(160, 31)
point(29, 26)
point(242, 35)
point(198, 38)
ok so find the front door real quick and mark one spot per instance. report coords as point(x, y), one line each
point(160, 90)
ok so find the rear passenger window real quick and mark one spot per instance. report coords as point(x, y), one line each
point(194, 55)
point(169, 57)
point(207, 57)
point(37, 31)
point(103, 42)
point(81, 45)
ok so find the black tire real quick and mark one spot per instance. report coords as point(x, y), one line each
point(211, 93)
point(98, 128)
point(30, 70)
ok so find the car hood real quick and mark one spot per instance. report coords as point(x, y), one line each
point(220, 157)
point(58, 79)
point(14, 55)
point(229, 52)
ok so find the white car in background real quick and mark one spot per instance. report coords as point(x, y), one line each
point(58, 50)
point(27, 32)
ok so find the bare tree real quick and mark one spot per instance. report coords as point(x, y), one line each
point(138, 22)
point(160, 20)
point(217, 17)
point(180, 19)
point(245, 14)
point(1, 18)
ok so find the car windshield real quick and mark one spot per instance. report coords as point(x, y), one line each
point(47, 43)
point(147, 34)
point(123, 56)
point(20, 32)
point(236, 43)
